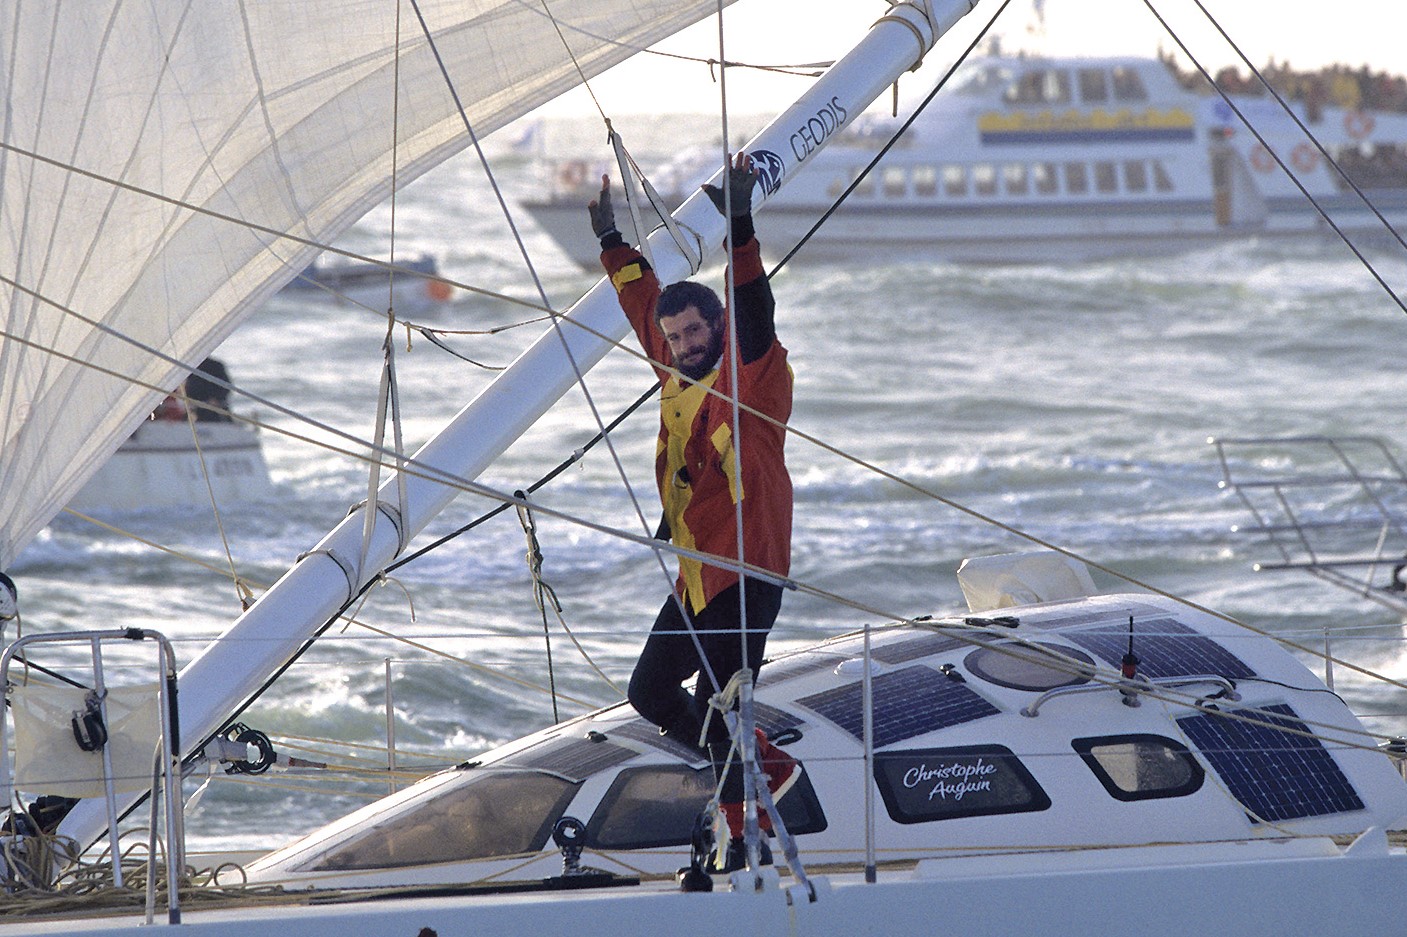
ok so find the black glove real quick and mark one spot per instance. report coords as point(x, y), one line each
point(603, 216)
point(741, 179)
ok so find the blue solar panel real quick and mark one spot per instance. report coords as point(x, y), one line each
point(907, 703)
point(1164, 647)
point(913, 646)
point(574, 759)
point(1088, 616)
point(1275, 772)
point(774, 721)
point(797, 665)
point(642, 731)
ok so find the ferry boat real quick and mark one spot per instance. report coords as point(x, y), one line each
point(1034, 159)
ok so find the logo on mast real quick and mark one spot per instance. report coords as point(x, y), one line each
point(770, 169)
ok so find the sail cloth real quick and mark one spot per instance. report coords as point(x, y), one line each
point(126, 124)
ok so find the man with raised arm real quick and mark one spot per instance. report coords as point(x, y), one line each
point(703, 475)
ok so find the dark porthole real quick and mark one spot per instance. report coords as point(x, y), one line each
point(1033, 666)
point(1141, 767)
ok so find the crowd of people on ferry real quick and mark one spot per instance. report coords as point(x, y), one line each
point(1337, 85)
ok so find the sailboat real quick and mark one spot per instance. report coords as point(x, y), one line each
point(1053, 758)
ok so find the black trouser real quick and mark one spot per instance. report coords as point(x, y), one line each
point(671, 656)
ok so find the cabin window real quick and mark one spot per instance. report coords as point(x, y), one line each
point(922, 785)
point(1135, 176)
point(1161, 180)
point(1044, 179)
point(1128, 84)
point(1034, 666)
point(1040, 86)
point(656, 806)
point(954, 181)
point(1094, 85)
point(984, 179)
point(1014, 176)
point(1106, 177)
point(925, 181)
point(1141, 767)
point(498, 814)
point(893, 182)
point(1076, 178)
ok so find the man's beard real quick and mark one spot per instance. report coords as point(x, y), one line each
point(708, 361)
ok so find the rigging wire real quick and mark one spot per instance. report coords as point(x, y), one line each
point(1367, 264)
point(889, 145)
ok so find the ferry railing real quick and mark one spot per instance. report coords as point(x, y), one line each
point(166, 769)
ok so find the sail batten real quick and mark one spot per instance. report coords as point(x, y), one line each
point(277, 114)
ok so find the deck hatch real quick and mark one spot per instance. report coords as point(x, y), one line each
point(1275, 772)
point(1164, 647)
point(907, 703)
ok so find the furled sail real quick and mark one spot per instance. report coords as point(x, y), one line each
point(153, 155)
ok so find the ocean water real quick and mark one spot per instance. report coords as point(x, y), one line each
point(1071, 403)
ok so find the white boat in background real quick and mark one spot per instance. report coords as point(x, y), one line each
point(1051, 760)
point(173, 463)
point(414, 287)
point(1033, 159)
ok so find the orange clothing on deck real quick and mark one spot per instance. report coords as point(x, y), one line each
point(694, 461)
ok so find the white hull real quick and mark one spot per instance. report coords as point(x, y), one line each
point(1242, 888)
point(161, 466)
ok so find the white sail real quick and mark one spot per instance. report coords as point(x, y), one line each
point(153, 154)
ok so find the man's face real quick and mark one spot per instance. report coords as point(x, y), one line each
point(693, 344)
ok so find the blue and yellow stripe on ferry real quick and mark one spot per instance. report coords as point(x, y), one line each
point(1098, 126)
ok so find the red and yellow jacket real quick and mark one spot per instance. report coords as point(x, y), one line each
point(694, 458)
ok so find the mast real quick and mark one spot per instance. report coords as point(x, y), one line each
point(232, 668)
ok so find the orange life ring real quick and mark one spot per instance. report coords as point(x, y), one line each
point(1261, 158)
point(1358, 124)
point(1304, 157)
point(572, 174)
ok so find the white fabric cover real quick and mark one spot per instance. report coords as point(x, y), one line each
point(47, 757)
point(119, 119)
point(990, 582)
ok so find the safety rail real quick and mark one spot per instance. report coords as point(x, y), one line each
point(92, 730)
point(1136, 686)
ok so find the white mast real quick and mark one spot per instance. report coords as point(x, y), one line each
point(265, 637)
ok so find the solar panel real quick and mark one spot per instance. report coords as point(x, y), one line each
point(774, 721)
point(797, 665)
point(574, 759)
point(907, 703)
point(1088, 616)
point(914, 646)
point(642, 730)
point(1275, 772)
point(1164, 647)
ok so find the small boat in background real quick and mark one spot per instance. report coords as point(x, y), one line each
point(172, 460)
point(415, 285)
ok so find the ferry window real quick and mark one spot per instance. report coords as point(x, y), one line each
point(1094, 85)
point(1135, 176)
point(1161, 180)
point(1040, 86)
point(1076, 179)
point(656, 805)
point(1141, 767)
point(1036, 667)
point(1044, 178)
point(984, 179)
point(494, 815)
point(925, 181)
point(1106, 177)
point(954, 180)
point(893, 182)
point(922, 785)
point(865, 189)
point(1128, 85)
point(1014, 175)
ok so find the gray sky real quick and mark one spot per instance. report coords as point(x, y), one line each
point(786, 31)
